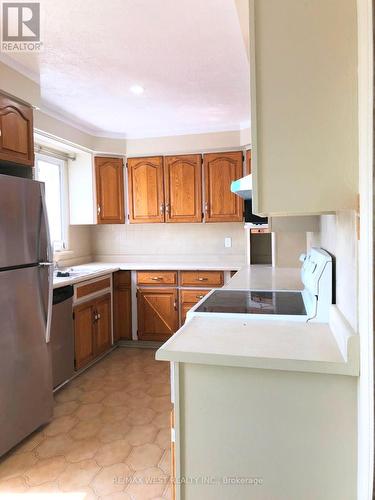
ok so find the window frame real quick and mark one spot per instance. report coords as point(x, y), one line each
point(64, 195)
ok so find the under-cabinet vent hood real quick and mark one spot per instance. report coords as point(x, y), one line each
point(243, 187)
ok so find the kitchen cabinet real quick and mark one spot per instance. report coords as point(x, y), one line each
point(165, 189)
point(109, 177)
point(83, 334)
point(122, 310)
point(146, 189)
point(202, 278)
point(220, 169)
point(16, 132)
point(92, 329)
point(188, 300)
point(304, 133)
point(183, 188)
point(248, 162)
point(157, 313)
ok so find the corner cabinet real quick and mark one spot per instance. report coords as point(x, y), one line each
point(122, 306)
point(220, 169)
point(16, 132)
point(109, 177)
point(304, 106)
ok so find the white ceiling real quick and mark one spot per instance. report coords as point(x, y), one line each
point(189, 55)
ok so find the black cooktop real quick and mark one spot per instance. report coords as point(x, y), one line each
point(253, 302)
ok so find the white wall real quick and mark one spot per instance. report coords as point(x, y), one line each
point(338, 236)
point(169, 243)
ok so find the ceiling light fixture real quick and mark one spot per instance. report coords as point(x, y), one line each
point(137, 89)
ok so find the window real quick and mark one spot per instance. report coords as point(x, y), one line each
point(52, 171)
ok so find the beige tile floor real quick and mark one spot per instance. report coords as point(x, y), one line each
point(109, 437)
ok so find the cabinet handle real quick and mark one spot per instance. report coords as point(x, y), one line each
point(175, 305)
point(156, 278)
point(161, 208)
point(206, 207)
point(202, 279)
point(95, 317)
point(99, 209)
point(199, 296)
point(167, 208)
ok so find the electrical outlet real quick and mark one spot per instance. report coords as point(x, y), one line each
point(227, 242)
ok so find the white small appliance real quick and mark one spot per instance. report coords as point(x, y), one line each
point(310, 304)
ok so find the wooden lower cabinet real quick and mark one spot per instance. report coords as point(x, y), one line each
point(188, 300)
point(122, 306)
point(157, 313)
point(83, 334)
point(92, 329)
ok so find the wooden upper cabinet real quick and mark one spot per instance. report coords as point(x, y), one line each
point(220, 169)
point(183, 188)
point(146, 191)
point(248, 162)
point(110, 190)
point(16, 132)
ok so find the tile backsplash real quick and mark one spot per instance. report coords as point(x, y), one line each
point(162, 242)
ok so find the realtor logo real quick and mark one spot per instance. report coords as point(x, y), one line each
point(20, 27)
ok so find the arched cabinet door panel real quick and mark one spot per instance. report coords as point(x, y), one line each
point(16, 132)
point(220, 169)
point(146, 190)
point(183, 188)
point(109, 173)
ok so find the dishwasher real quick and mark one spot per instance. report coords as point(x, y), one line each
point(62, 337)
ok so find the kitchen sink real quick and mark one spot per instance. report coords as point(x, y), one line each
point(74, 273)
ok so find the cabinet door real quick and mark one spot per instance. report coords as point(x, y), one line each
point(122, 310)
point(102, 330)
point(248, 162)
point(110, 190)
point(220, 169)
point(16, 132)
point(83, 334)
point(146, 191)
point(157, 313)
point(183, 188)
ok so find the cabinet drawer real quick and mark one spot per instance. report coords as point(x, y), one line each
point(96, 286)
point(202, 278)
point(157, 278)
point(193, 296)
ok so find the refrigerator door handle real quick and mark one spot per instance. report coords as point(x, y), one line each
point(48, 264)
point(49, 252)
point(50, 298)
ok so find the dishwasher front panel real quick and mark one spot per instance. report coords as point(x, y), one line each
point(62, 336)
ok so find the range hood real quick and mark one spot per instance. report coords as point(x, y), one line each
point(243, 187)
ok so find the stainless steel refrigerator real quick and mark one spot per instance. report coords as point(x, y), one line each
point(26, 288)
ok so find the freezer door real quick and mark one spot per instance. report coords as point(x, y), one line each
point(23, 222)
point(25, 368)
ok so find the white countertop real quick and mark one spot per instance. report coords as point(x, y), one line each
point(97, 269)
point(266, 278)
point(268, 344)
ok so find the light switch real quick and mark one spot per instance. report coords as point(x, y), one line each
point(227, 242)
